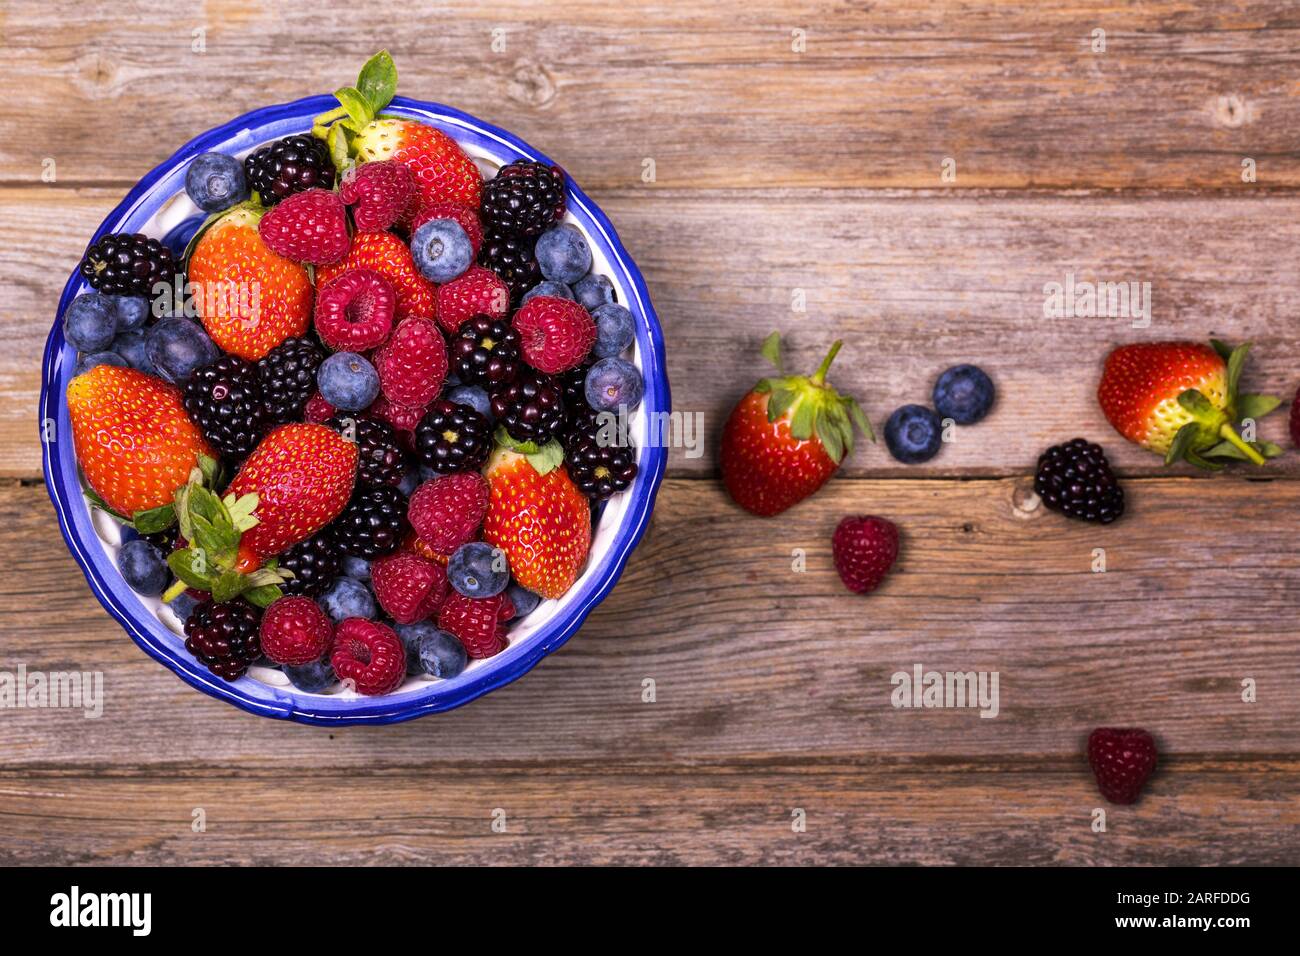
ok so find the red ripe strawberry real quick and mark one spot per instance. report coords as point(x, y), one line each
point(409, 587)
point(447, 511)
point(458, 213)
point(303, 476)
point(369, 656)
point(786, 437)
point(555, 334)
point(354, 311)
point(478, 292)
point(478, 623)
point(378, 193)
point(1179, 400)
point(389, 256)
point(865, 548)
point(310, 226)
point(442, 170)
point(1122, 758)
point(132, 438)
point(296, 631)
point(250, 298)
point(412, 365)
point(539, 519)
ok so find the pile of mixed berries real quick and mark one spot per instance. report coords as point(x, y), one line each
point(380, 439)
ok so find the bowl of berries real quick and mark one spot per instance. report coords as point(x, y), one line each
point(347, 412)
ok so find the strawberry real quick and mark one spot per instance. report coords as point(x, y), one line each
point(303, 476)
point(538, 517)
point(131, 435)
point(384, 253)
point(865, 548)
point(786, 437)
point(1179, 400)
point(249, 298)
point(1122, 758)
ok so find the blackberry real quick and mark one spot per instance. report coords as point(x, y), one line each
point(1075, 479)
point(289, 166)
point(523, 199)
point(379, 455)
point(288, 377)
point(511, 258)
point(372, 524)
point(599, 471)
point(225, 400)
point(453, 437)
point(224, 637)
point(531, 408)
point(127, 264)
point(314, 563)
point(485, 352)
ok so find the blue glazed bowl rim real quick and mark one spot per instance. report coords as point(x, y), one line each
point(63, 483)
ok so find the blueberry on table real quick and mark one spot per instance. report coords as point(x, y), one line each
point(216, 181)
point(348, 381)
point(478, 570)
point(615, 330)
point(563, 254)
point(613, 382)
point(913, 434)
point(177, 348)
point(963, 393)
point(143, 567)
point(90, 324)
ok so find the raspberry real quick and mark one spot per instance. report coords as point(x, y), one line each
point(369, 655)
point(864, 549)
point(391, 258)
point(402, 419)
point(460, 214)
point(295, 631)
point(354, 311)
point(224, 636)
point(478, 623)
point(554, 334)
point(478, 292)
point(1121, 758)
point(409, 587)
point(310, 226)
point(447, 511)
point(317, 410)
point(413, 364)
point(378, 193)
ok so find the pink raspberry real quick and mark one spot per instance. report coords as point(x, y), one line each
point(447, 511)
point(369, 655)
point(354, 311)
point(478, 623)
point(402, 418)
point(412, 365)
point(296, 631)
point(318, 411)
point(378, 193)
point(478, 292)
point(555, 334)
point(462, 215)
point(410, 588)
point(310, 226)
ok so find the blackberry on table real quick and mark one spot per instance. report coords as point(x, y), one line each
point(287, 166)
point(380, 460)
point(523, 199)
point(225, 400)
point(314, 563)
point(127, 264)
point(288, 377)
point(224, 637)
point(598, 470)
point(372, 524)
point(453, 437)
point(1075, 479)
point(512, 258)
point(531, 408)
point(486, 352)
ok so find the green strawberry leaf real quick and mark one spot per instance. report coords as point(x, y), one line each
point(269, 577)
point(779, 403)
point(1225, 449)
point(97, 502)
point(209, 469)
point(550, 457)
point(155, 519)
point(772, 351)
point(340, 148)
point(831, 437)
point(1256, 406)
point(1182, 442)
point(1194, 459)
point(264, 596)
point(242, 510)
point(1236, 362)
point(503, 437)
point(801, 422)
point(1197, 404)
point(378, 81)
point(228, 586)
point(193, 568)
point(1223, 348)
point(859, 419)
point(359, 112)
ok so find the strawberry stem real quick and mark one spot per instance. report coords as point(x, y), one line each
point(173, 592)
point(819, 377)
point(1230, 433)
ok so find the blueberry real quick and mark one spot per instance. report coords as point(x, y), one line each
point(557, 290)
point(133, 347)
point(612, 382)
point(178, 348)
point(593, 291)
point(441, 250)
point(473, 396)
point(216, 181)
point(143, 567)
point(963, 393)
point(410, 481)
point(345, 598)
point(525, 601)
point(478, 570)
point(563, 254)
point(182, 605)
point(86, 362)
point(358, 569)
point(347, 381)
point(913, 434)
point(90, 323)
point(431, 651)
point(312, 678)
point(132, 311)
point(410, 635)
point(615, 330)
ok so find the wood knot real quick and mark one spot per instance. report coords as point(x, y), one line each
point(1025, 503)
point(531, 85)
point(95, 75)
point(1232, 111)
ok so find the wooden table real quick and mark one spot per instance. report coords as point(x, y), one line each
point(783, 161)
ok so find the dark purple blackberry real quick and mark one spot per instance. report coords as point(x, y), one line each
point(512, 258)
point(288, 377)
point(127, 264)
point(485, 352)
point(224, 637)
point(600, 471)
point(372, 524)
point(523, 199)
point(225, 400)
point(453, 437)
point(314, 563)
point(531, 408)
point(379, 455)
point(289, 166)
point(1075, 479)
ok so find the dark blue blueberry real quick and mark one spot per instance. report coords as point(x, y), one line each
point(478, 570)
point(410, 481)
point(215, 181)
point(143, 567)
point(90, 324)
point(473, 396)
point(612, 382)
point(525, 601)
point(563, 254)
point(132, 311)
point(358, 569)
point(133, 347)
point(593, 291)
point(615, 330)
point(86, 362)
point(347, 381)
point(963, 393)
point(556, 290)
point(182, 605)
point(345, 598)
point(437, 653)
point(441, 250)
point(178, 348)
point(312, 678)
point(913, 434)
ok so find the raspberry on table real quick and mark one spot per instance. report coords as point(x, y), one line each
point(447, 511)
point(864, 549)
point(478, 623)
point(453, 437)
point(408, 587)
point(369, 656)
point(354, 310)
point(1122, 758)
point(295, 631)
point(224, 637)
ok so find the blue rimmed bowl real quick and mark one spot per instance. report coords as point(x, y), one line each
point(159, 207)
